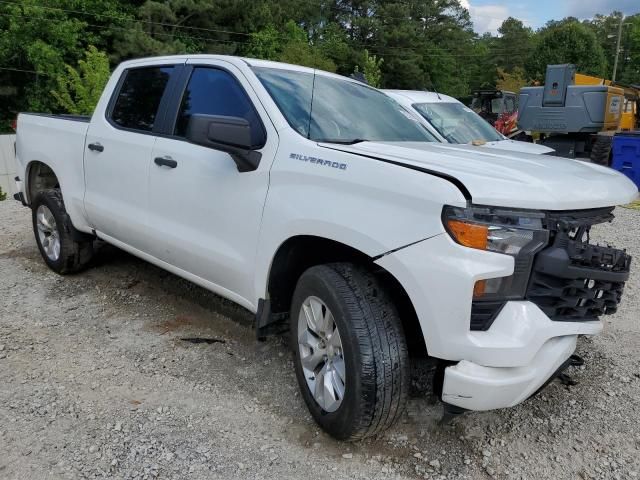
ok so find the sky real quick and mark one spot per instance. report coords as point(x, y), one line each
point(487, 15)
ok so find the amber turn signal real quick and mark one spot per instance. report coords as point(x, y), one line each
point(479, 288)
point(469, 234)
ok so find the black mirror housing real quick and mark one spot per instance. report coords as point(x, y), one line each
point(228, 134)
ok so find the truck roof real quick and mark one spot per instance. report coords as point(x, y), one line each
point(418, 96)
point(238, 61)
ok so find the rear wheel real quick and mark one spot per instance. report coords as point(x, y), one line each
point(601, 151)
point(350, 351)
point(53, 231)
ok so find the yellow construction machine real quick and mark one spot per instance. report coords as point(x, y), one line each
point(630, 115)
point(577, 115)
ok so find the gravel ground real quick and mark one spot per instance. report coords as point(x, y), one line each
point(97, 381)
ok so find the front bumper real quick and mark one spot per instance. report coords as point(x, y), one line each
point(439, 275)
point(496, 368)
point(475, 387)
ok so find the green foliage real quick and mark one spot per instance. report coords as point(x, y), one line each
point(629, 66)
point(412, 44)
point(3, 195)
point(514, 45)
point(290, 46)
point(79, 90)
point(513, 81)
point(265, 44)
point(371, 69)
point(567, 42)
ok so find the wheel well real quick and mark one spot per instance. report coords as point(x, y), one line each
point(299, 253)
point(40, 177)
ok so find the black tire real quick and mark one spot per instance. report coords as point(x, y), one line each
point(601, 151)
point(74, 255)
point(374, 347)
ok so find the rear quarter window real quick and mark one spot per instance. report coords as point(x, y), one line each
point(139, 96)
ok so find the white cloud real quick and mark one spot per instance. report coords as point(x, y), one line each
point(588, 8)
point(488, 18)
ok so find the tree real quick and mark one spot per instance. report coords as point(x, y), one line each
point(37, 40)
point(159, 30)
point(511, 82)
point(79, 90)
point(265, 44)
point(37, 43)
point(629, 61)
point(513, 46)
point(290, 46)
point(567, 41)
point(371, 69)
point(334, 44)
point(426, 44)
point(482, 70)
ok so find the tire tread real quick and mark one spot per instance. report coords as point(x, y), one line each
point(75, 255)
point(382, 345)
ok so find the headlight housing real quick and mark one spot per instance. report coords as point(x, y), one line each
point(519, 234)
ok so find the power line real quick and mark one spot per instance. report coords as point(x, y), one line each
point(22, 70)
point(382, 50)
point(187, 27)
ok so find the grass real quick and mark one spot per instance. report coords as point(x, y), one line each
point(634, 206)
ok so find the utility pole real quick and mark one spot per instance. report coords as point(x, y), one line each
point(615, 63)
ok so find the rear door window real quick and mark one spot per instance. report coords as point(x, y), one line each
point(136, 106)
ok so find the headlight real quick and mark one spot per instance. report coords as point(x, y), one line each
point(519, 234)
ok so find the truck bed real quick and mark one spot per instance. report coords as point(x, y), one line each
point(59, 142)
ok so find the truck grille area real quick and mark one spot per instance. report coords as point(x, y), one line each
point(572, 279)
point(484, 313)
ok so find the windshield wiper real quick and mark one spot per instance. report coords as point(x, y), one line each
point(342, 142)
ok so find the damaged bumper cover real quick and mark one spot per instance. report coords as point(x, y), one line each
point(474, 387)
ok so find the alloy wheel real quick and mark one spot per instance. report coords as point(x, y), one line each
point(48, 233)
point(321, 354)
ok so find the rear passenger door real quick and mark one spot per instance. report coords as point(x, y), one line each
point(118, 151)
point(205, 213)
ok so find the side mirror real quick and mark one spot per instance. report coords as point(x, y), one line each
point(228, 134)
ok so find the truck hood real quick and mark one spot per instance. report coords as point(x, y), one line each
point(509, 179)
point(518, 146)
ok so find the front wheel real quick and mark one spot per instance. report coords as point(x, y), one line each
point(53, 230)
point(350, 351)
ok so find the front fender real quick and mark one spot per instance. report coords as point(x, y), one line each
point(371, 206)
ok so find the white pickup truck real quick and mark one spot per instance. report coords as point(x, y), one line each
point(316, 202)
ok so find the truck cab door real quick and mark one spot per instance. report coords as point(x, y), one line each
point(204, 214)
point(118, 149)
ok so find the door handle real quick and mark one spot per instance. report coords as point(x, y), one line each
point(95, 147)
point(165, 162)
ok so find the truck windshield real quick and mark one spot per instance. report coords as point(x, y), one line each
point(457, 123)
point(328, 109)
